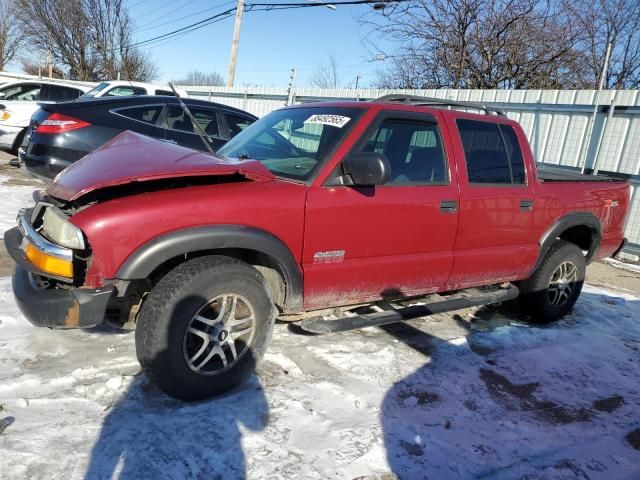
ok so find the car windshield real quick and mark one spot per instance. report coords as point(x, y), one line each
point(95, 90)
point(293, 142)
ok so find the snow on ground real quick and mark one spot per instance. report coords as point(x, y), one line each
point(624, 265)
point(462, 397)
point(12, 199)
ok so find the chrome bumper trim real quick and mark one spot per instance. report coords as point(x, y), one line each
point(41, 243)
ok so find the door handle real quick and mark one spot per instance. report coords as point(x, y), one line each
point(526, 205)
point(448, 206)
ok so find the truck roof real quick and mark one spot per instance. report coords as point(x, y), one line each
point(417, 104)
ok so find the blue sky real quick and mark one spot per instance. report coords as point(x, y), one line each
point(270, 42)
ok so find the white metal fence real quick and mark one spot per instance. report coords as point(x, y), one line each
point(558, 123)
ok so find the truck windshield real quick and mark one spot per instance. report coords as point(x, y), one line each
point(293, 142)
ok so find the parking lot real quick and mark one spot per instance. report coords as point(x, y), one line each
point(479, 393)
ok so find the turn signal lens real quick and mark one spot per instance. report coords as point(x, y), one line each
point(59, 123)
point(5, 114)
point(48, 263)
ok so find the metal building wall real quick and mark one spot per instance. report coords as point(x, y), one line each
point(558, 123)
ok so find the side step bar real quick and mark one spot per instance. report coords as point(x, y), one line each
point(472, 297)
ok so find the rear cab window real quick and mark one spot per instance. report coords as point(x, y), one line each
point(492, 153)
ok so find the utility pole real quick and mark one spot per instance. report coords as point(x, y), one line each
point(603, 76)
point(292, 86)
point(235, 42)
point(49, 64)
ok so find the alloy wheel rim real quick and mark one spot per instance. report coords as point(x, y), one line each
point(562, 283)
point(219, 334)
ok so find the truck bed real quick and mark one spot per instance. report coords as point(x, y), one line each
point(551, 174)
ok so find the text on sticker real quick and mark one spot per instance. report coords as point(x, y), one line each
point(332, 120)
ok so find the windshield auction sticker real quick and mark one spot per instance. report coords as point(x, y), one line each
point(331, 120)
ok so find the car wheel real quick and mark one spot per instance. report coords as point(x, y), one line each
point(553, 289)
point(204, 327)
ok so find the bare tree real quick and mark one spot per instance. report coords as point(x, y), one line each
point(609, 21)
point(91, 38)
point(326, 74)
point(33, 68)
point(478, 44)
point(10, 36)
point(196, 77)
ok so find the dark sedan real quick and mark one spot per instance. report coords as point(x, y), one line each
point(60, 134)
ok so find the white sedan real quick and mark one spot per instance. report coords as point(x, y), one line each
point(19, 100)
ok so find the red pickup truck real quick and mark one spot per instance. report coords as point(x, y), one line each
point(313, 209)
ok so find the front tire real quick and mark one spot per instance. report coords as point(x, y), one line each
point(553, 289)
point(204, 327)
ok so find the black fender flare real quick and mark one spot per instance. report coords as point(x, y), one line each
point(141, 263)
point(585, 219)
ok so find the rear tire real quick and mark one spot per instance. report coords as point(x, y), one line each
point(204, 327)
point(553, 289)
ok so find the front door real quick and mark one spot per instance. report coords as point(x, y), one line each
point(392, 240)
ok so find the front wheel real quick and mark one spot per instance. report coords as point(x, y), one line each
point(553, 289)
point(204, 326)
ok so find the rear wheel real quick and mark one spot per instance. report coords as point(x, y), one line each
point(553, 289)
point(204, 326)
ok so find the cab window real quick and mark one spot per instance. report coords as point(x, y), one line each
point(492, 153)
point(414, 150)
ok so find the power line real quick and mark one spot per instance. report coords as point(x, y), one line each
point(254, 7)
point(162, 16)
point(157, 25)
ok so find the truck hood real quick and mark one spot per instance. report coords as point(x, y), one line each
point(131, 157)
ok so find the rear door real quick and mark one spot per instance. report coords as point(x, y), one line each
point(494, 241)
point(391, 240)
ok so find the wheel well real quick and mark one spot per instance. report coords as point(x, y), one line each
point(581, 235)
point(268, 266)
point(18, 141)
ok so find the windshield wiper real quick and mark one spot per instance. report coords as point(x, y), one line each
point(201, 133)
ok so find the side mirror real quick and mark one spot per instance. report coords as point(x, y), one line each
point(1, 95)
point(367, 169)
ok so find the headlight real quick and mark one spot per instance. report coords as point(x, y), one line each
point(5, 114)
point(58, 229)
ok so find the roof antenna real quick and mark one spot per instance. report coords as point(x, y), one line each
point(203, 135)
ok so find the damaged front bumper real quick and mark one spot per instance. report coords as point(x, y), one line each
point(52, 307)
